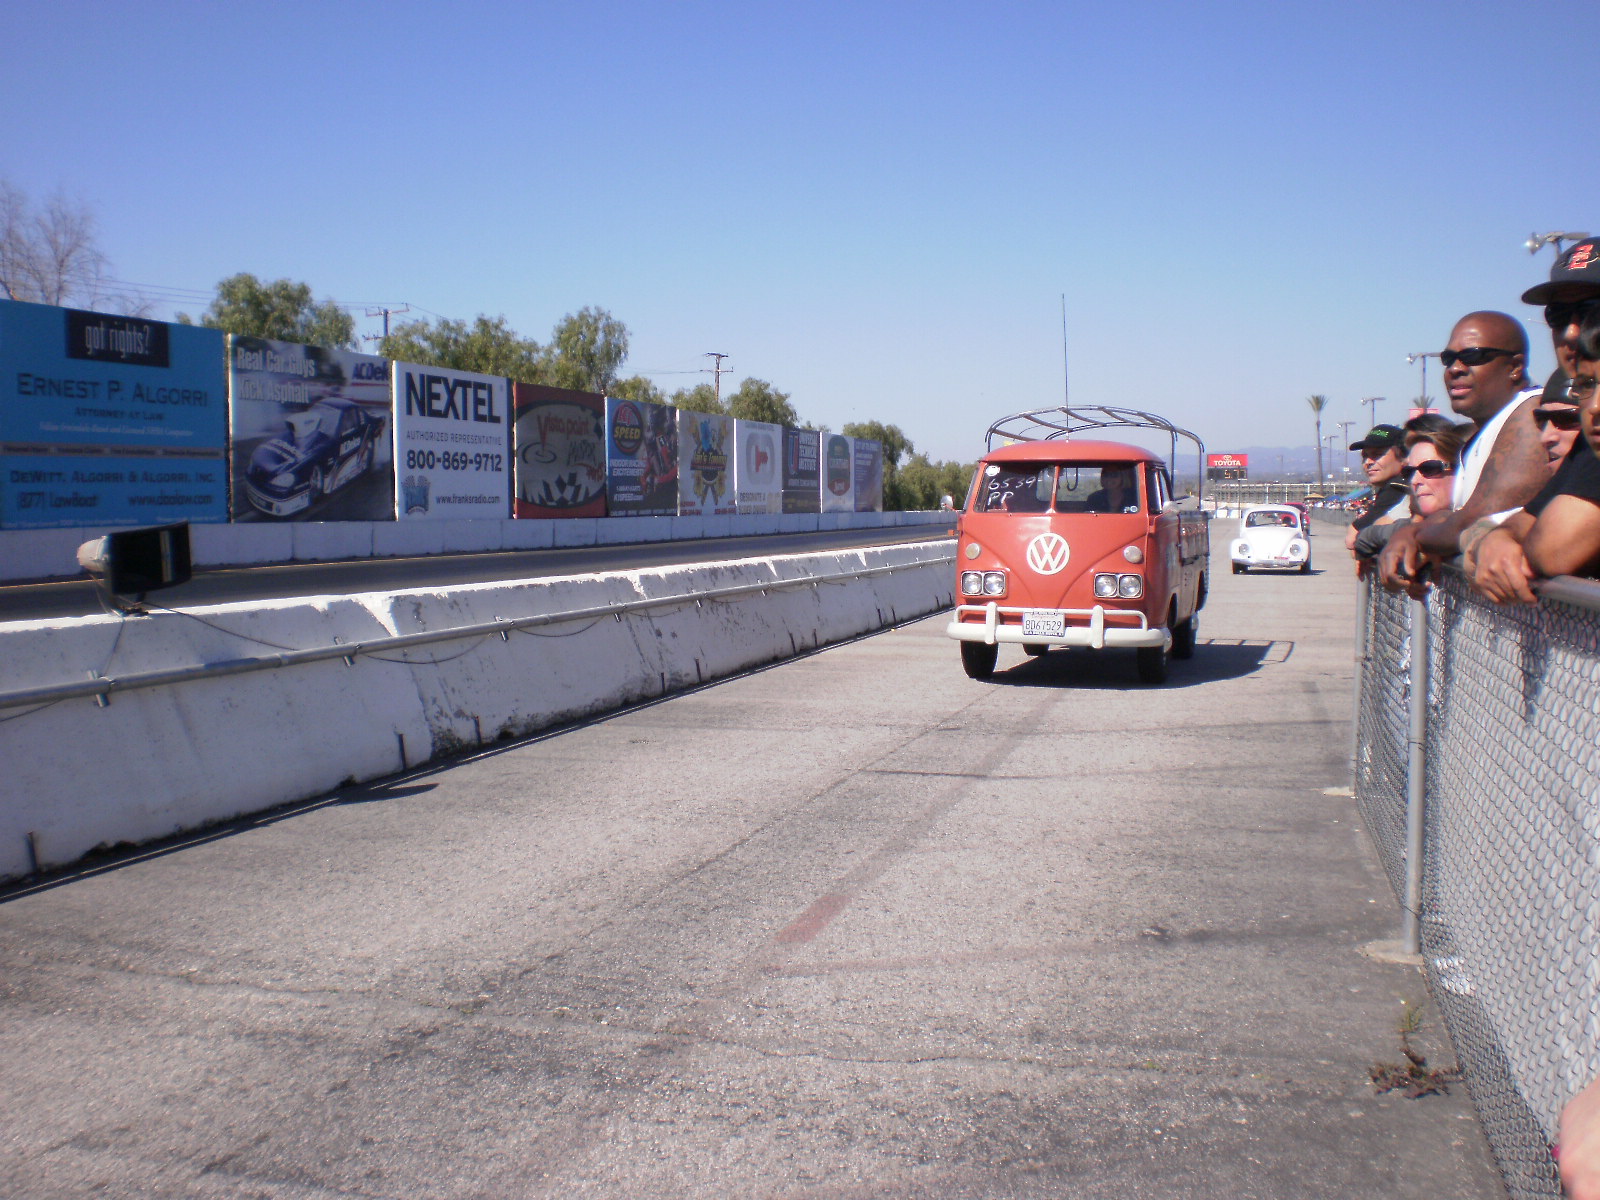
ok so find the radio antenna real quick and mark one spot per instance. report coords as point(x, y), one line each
point(1064, 397)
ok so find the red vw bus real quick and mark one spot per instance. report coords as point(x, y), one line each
point(1068, 541)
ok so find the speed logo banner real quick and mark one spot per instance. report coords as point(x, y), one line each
point(311, 436)
point(452, 447)
point(560, 442)
point(705, 464)
point(641, 459)
point(758, 476)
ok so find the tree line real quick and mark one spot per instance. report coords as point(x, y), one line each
point(49, 255)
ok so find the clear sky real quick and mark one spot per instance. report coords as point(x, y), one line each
point(877, 207)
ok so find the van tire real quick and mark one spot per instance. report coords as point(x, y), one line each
point(978, 659)
point(1183, 637)
point(1152, 664)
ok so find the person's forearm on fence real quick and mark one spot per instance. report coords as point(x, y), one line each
point(1495, 561)
point(1565, 540)
point(1580, 1144)
point(1517, 468)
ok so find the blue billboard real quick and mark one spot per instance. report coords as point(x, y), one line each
point(108, 420)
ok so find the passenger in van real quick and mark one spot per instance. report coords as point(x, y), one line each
point(1118, 492)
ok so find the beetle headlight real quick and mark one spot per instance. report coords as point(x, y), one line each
point(1297, 549)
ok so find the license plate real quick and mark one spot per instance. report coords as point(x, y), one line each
point(1042, 623)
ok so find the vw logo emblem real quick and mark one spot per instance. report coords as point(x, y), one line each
point(1048, 553)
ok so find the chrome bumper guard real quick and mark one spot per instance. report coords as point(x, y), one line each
point(1096, 634)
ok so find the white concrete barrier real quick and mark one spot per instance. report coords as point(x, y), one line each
point(28, 554)
point(161, 760)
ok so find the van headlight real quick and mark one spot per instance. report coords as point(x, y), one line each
point(983, 583)
point(1118, 587)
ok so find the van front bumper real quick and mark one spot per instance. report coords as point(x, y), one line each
point(1095, 632)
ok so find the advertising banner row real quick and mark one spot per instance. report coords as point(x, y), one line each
point(108, 420)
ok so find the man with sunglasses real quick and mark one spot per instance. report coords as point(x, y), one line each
point(1503, 466)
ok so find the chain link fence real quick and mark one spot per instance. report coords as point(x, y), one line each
point(1496, 731)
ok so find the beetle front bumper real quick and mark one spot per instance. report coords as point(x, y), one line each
point(1096, 634)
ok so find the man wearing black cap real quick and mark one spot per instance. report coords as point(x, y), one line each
point(1382, 456)
point(1573, 289)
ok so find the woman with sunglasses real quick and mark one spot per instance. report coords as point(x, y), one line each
point(1432, 445)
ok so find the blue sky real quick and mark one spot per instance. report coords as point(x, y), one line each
point(875, 206)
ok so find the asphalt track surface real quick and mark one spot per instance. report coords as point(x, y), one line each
point(851, 926)
point(80, 597)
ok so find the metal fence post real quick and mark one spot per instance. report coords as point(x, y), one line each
point(1363, 636)
point(1416, 775)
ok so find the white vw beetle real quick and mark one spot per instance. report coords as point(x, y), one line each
point(1271, 535)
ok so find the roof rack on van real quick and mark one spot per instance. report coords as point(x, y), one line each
point(1061, 424)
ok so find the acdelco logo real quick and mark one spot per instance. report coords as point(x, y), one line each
point(1048, 553)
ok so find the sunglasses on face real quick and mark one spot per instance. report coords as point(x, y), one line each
point(1582, 387)
point(1565, 312)
point(1472, 356)
point(1562, 418)
point(1433, 468)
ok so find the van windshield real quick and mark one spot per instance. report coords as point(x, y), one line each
point(1047, 487)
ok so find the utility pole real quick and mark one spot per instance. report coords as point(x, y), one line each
point(384, 313)
point(1374, 401)
point(717, 372)
point(1344, 440)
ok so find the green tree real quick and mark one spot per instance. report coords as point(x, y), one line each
point(1318, 403)
point(587, 349)
point(281, 309)
point(701, 398)
point(758, 400)
point(637, 387)
point(488, 346)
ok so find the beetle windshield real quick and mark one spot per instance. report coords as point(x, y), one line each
point(1065, 488)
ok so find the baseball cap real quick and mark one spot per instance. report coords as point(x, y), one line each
point(1576, 275)
point(1381, 437)
point(1556, 390)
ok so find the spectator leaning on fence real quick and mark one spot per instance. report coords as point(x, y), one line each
point(1498, 560)
point(1503, 466)
point(1433, 448)
point(1382, 455)
point(1565, 538)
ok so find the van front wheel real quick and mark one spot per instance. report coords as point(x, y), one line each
point(978, 659)
point(1152, 662)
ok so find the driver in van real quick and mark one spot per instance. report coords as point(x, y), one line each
point(1118, 492)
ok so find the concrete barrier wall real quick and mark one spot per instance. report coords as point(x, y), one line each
point(27, 554)
point(162, 760)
